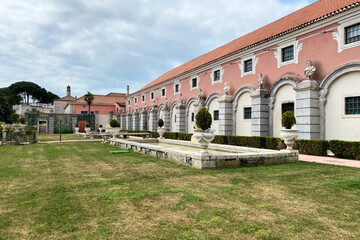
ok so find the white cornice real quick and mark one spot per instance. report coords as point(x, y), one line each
point(302, 30)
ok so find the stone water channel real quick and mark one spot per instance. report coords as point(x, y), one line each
point(220, 156)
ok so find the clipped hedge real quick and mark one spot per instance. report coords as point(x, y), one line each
point(345, 149)
point(313, 147)
point(185, 136)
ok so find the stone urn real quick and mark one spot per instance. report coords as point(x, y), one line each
point(289, 136)
point(161, 131)
point(87, 130)
point(113, 131)
point(204, 137)
point(100, 129)
point(76, 129)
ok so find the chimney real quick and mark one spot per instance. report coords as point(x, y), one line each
point(68, 91)
point(127, 90)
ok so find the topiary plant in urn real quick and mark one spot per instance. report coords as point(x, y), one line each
point(289, 135)
point(161, 129)
point(202, 132)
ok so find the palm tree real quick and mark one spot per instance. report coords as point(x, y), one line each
point(89, 98)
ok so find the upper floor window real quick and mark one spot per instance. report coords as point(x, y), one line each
point(287, 107)
point(152, 96)
point(135, 100)
point(129, 102)
point(176, 88)
point(163, 92)
point(143, 98)
point(216, 115)
point(84, 112)
point(194, 82)
point(352, 33)
point(287, 53)
point(352, 105)
point(216, 75)
point(192, 117)
point(247, 113)
point(248, 65)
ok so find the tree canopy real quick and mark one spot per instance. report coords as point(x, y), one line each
point(5, 109)
point(25, 90)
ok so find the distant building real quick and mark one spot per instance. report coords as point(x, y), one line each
point(61, 103)
point(104, 106)
point(21, 109)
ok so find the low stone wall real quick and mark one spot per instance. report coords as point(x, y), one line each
point(236, 157)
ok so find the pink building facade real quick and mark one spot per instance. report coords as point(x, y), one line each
point(326, 105)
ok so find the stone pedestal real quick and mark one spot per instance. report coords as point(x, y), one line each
point(260, 113)
point(180, 111)
point(225, 115)
point(128, 121)
point(153, 120)
point(307, 109)
point(143, 120)
point(122, 121)
point(135, 121)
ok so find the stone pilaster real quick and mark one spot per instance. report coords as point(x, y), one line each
point(260, 113)
point(307, 109)
point(128, 121)
point(135, 121)
point(143, 120)
point(153, 120)
point(167, 119)
point(180, 111)
point(123, 121)
point(225, 115)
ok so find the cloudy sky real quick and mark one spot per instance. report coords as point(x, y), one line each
point(103, 45)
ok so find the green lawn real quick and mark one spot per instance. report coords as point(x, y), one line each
point(56, 137)
point(81, 191)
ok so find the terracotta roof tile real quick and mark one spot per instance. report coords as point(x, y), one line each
point(301, 18)
point(66, 98)
point(103, 99)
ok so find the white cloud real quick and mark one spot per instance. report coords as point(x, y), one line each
point(103, 45)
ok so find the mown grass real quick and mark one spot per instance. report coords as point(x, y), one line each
point(56, 137)
point(82, 191)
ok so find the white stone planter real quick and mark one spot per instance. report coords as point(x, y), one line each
point(204, 138)
point(76, 129)
point(289, 136)
point(161, 132)
point(87, 130)
point(100, 129)
point(113, 131)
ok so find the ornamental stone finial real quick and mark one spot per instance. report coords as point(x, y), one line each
point(309, 70)
point(166, 102)
point(260, 82)
point(226, 89)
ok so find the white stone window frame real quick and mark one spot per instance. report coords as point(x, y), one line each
point(135, 100)
point(152, 95)
point(161, 92)
point(129, 102)
point(340, 35)
point(221, 75)
point(143, 98)
point(255, 61)
point(343, 112)
point(278, 54)
point(197, 82)
point(178, 92)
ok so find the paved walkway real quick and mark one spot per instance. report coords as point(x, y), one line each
point(330, 160)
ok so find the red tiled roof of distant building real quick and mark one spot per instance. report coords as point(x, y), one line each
point(103, 99)
point(310, 14)
point(66, 98)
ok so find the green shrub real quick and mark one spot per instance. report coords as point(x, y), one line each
point(184, 136)
point(114, 123)
point(273, 143)
point(160, 123)
point(220, 139)
point(14, 117)
point(171, 135)
point(154, 134)
point(22, 120)
point(203, 119)
point(87, 124)
point(76, 125)
point(313, 147)
point(288, 119)
point(345, 149)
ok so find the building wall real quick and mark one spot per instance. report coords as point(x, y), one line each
point(339, 125)
point(102, 109)
point(59, 106)
point(243, 126)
